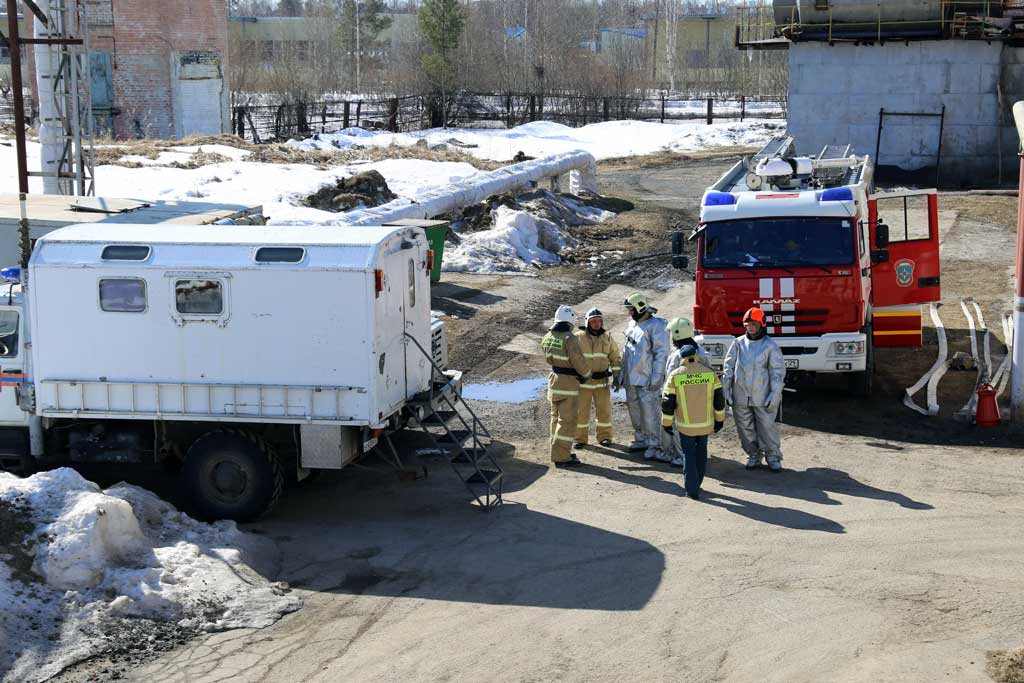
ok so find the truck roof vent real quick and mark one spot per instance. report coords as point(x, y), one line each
point(280, 254)
point(125, 252)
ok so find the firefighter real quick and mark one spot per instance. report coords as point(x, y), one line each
point(602, 353)
point(694, 404)
point(753, 379)
point(643, 374)
point(568, 369)
point(680, 331)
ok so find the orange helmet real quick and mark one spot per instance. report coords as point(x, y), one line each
point(755, 314)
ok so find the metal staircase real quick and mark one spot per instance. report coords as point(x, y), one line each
point(456, 432)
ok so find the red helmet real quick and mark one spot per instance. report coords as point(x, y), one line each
point(755, 314)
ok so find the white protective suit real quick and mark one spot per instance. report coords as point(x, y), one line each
point(643, 375)
point(754, 375)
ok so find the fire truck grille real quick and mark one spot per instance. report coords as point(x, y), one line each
point(802, 321)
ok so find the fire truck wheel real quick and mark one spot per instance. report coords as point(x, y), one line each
point(860, 382)
point(232, 474)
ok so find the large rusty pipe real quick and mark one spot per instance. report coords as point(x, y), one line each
point(1017, 367)
point(14, 50)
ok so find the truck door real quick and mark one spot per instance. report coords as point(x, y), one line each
point(417, 320)
point(905, 268)
point(11, 367)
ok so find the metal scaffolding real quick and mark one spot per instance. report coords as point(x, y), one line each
point(61, 51)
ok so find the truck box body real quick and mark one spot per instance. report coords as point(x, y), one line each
point(297, 325)
point(803, 240)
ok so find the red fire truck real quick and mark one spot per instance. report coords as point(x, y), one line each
point(838, 269)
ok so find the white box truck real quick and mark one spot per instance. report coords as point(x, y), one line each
point(250, 354)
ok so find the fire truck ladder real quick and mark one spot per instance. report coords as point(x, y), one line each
point(456, 432)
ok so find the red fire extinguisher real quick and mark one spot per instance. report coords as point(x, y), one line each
point(988, 410)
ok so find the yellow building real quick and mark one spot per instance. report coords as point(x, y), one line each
point(704, 43)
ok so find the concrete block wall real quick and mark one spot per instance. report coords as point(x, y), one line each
point(836, 92)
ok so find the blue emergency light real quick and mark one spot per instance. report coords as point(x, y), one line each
point(719, 199)
point(11, 274)
point(837, 194)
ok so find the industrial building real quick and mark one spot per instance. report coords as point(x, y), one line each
point(157, 68)
point(922, 85)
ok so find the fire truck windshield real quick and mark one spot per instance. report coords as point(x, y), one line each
point(767, 242)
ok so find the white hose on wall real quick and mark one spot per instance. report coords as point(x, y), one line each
point(49, 123)
point(580, 166)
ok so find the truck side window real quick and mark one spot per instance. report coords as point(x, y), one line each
point(412, 284)
point(199, 297)
point(907, 217)
point(123, 295)
point(8, 334)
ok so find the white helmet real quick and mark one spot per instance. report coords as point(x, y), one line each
point(594, 313)
point(565, 314)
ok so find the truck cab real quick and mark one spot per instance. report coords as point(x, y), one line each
point(802, 239)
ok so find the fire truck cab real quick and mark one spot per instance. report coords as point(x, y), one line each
point(837, 269)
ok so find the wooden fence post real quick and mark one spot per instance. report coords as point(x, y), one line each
point(533, 108)
point(345, 114)
point(743, 107)
point(393, 115)
point(605, 104)
point(711, 116)
point(359, 108)
point(663, 107)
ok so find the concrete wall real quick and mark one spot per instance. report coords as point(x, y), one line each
point(835, 94)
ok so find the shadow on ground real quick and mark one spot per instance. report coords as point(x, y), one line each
point(662, 478)
point(452, 299)
point(812, 485)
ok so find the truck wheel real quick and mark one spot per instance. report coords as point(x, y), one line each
point(860, 382)
point(232, 475)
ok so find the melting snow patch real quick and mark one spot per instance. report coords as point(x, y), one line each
point(520, 391)
point(98, 571)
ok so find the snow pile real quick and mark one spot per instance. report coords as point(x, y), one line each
point(544, 138)
point(102, 568)
point(533, 232)
point(518, 239)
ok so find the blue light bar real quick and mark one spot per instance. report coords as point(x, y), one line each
point(719, 199)
point(11, 274)
point(837, 194)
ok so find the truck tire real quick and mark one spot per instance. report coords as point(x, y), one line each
point(860, 383)
point(232, 474)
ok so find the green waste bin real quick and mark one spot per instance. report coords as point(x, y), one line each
point(436, 232)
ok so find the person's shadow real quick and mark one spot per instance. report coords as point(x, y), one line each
point(779, 516)
point(813, 484)
point(672, 485)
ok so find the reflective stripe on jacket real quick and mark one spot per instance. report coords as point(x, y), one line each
point(692, 399)
point(754, 372)
point(645, 352)
point(562, 350)
point(602, 354)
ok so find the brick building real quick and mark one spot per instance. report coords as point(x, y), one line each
point(159, 67)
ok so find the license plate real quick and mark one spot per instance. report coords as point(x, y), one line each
point(792, 364)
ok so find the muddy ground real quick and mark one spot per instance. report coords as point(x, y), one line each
point(888, 550)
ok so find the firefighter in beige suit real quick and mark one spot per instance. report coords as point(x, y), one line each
point(568, 369)
point(602, 353)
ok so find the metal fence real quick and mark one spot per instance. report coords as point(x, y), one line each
point(264, 123)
